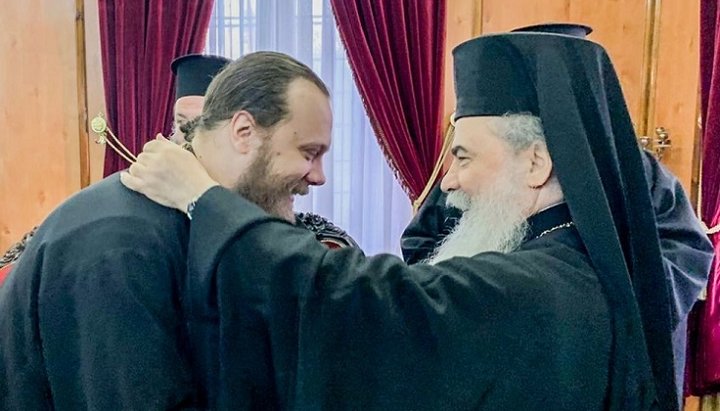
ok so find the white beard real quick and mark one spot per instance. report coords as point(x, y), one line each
point(494, 220)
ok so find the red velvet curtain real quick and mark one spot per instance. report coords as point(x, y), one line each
point(705, 377)
point(395, 49)
point(139, 39)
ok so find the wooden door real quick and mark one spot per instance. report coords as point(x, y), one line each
point(618, 25)
point(674, 93)
point(653, 46)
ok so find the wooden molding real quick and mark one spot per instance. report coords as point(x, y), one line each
point(649, 69)
point(696, 176)
point(82, 94)
point(477, 26)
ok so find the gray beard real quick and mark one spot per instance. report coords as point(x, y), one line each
point(493, 221)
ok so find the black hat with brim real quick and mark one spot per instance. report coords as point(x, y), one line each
point(194, 72)
point(569, 29)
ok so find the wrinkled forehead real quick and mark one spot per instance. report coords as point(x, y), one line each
point(189, 106)
point(476, 131)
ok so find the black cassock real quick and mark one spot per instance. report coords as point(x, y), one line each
point(285, 323)
point(90, 318)
point(686, 249)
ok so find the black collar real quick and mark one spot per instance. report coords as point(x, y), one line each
point(554, 218)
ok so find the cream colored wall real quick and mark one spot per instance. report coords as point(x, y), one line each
point(42, 113)
point(38, 90)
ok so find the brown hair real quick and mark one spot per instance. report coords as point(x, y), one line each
point(258, 84)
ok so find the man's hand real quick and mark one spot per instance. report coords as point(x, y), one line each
point(167, 174)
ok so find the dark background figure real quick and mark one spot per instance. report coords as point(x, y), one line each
point(193, 74)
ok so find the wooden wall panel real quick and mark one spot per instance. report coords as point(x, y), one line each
point(39, 151)
point(618, 25)
point(678, 70)
point(462, 17)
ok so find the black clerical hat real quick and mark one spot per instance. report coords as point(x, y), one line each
point(491, 80)
point(518, 97)
point(194, 72)
point(571, 85)
point(570, 29)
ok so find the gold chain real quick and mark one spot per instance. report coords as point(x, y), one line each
point(557, 227)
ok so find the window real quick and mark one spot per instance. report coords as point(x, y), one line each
point(362, 195)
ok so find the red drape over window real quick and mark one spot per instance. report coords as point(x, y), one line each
point(395, 49)
point(705, 361)
point(139, 39)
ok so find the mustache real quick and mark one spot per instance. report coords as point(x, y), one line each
point(300, 189)
point(459, 200)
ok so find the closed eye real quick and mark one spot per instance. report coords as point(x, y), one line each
point(462, 160)
point(459, 152)
point(311, 154)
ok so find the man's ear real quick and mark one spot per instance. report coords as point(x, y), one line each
point(540, 164)
point(242, 126)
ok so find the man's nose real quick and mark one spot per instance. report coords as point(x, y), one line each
point(449, 182)
point(316, 176)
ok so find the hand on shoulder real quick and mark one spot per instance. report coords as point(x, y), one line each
point(167, 174)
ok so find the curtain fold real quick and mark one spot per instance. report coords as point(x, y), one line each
point(703, 372)
point(396, 49)
point(138, 40)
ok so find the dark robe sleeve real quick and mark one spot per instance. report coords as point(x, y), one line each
point(227, 324)
point(686, 252)
point(95, 325)
point(304, 327)
point(686, 249)
point(23, 385)
point(433, 221)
